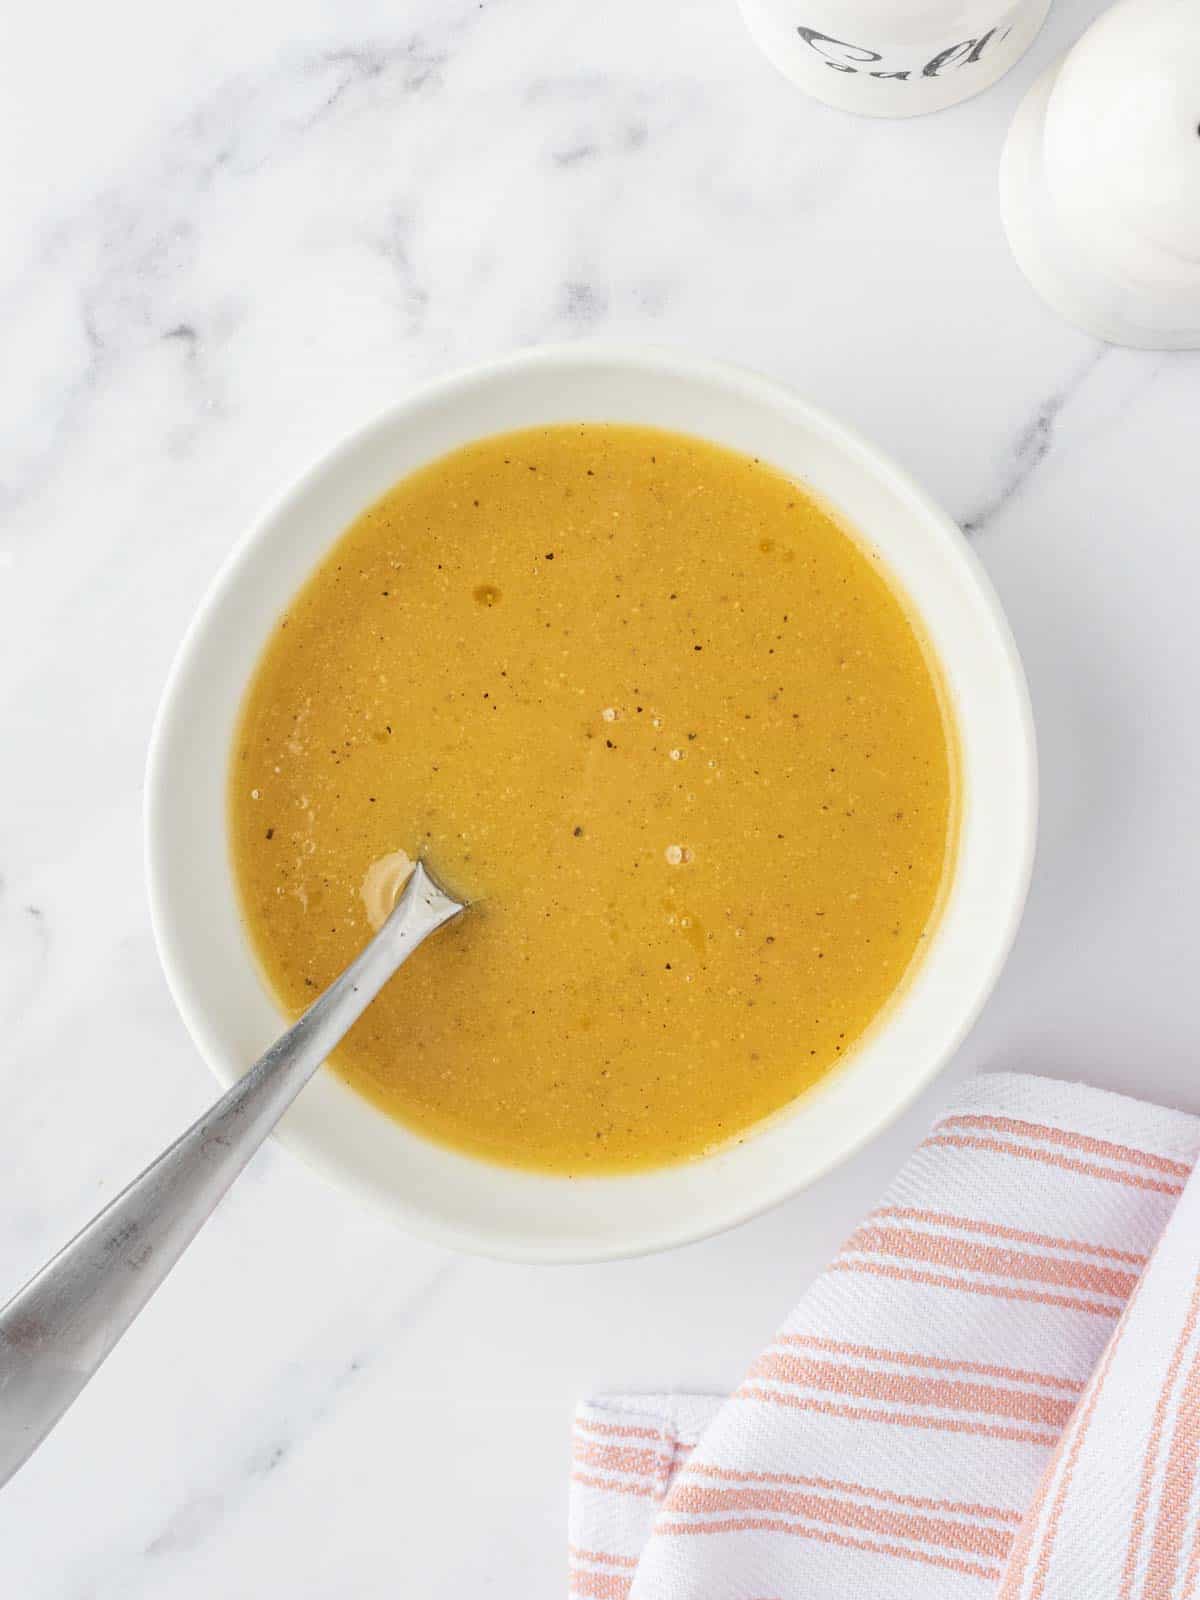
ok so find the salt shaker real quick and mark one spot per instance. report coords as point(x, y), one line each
point(894, 58)
point(1100, 179)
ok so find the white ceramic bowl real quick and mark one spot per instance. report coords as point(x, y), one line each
point(469, 1204)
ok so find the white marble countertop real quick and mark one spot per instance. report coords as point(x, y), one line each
point(230, 232)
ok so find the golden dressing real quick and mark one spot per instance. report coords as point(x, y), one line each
point(649, 705)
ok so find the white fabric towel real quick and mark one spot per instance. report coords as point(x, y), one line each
point(993, 1390)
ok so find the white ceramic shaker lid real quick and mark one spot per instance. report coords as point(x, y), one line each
point(1100, 179)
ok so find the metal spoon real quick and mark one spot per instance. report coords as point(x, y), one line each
point(57, 1330)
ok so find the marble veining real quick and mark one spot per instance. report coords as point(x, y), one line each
point(231, 233)
point(1033, 444)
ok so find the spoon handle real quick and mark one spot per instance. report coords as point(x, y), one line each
point(57, 1330)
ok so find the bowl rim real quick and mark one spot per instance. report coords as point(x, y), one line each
point(600, 354)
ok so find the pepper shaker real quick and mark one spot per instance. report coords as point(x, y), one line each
point(1100, 179)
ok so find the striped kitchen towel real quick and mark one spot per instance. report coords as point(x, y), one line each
point(993, 1390)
